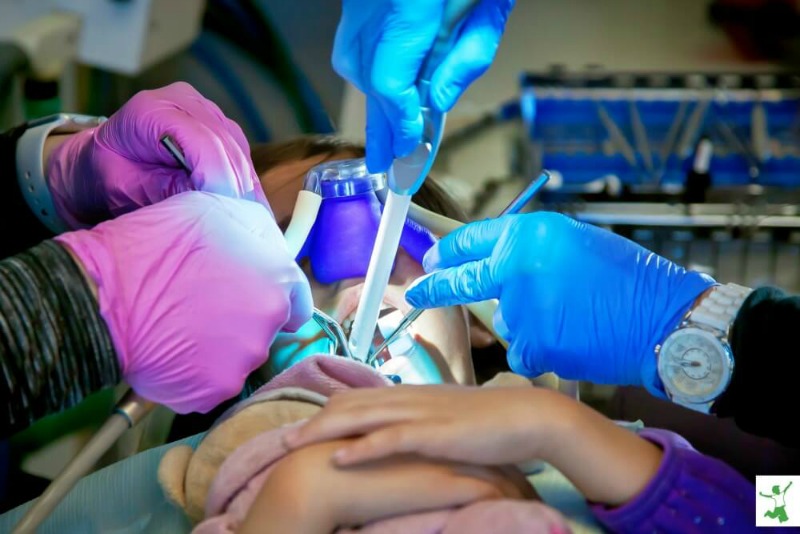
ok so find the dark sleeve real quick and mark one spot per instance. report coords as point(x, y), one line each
point(762, 395)
point(55, 348)
point(22, 229)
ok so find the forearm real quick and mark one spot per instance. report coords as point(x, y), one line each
point(55, 348)
point(764, 345)
point(606, 463)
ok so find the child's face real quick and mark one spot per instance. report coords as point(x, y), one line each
point(444, 334)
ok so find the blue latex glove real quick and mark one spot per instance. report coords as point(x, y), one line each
point(380, 46)
point(576, 300)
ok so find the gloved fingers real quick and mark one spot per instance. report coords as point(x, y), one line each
point(379, 138)
point(473, 241)
point(301, 305)
point(187, 98)
point(470, 282)
point(217, 163)
point(408, 32)
point(237, 134)
point(192, 108)
point(526, 360)
point(472, 54)
point(349, 48)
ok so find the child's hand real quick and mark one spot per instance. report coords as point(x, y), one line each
point(483, 426)
point(306, 493)
point(489, 426)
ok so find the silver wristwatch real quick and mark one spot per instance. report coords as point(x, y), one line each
point(695, 362)
point(30, 167)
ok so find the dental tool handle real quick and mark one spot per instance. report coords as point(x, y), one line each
point(129, 411)
point(527, 194)
point(378, 273)
point(175, 152)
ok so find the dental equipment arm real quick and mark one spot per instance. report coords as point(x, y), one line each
point(128, 412)
point(406, 176)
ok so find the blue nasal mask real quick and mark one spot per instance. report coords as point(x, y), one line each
point(341, 239)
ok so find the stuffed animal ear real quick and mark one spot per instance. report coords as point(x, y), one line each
point(172, 474)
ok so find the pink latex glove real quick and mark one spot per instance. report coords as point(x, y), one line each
point(121, 165)
point(193, 290)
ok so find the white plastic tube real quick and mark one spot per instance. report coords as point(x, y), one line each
point(305, 213)
point(378, 273)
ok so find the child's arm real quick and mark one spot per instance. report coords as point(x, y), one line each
point(492, 426)
point(306, 493)
point(654, 483)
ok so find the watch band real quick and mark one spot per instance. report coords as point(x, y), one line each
point(718, 309)
point(30, 167)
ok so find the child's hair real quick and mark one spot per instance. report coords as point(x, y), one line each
point(268, 156)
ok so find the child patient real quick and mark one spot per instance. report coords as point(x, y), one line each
point(242, 477)
point(242, 454)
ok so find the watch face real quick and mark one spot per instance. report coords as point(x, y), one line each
point(694, 365)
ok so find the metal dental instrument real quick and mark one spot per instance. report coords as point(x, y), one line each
point(616, 136)
point(759, 132)
point(405, 177)
point(410, 317)
point(671, 139)
point(334, 331)
point(692, 131)
point(515, 206)
point(640, 137)
point(128, 412)
point(754, 166)
point(175, 152)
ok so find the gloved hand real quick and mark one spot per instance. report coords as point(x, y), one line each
point(380, 46)
point(576, 300)
point(121, 165)
point(193, 290)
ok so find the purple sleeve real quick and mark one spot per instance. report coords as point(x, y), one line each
point(690, 493)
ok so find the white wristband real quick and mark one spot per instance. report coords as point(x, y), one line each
point(30, 164)
point(719, 308)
